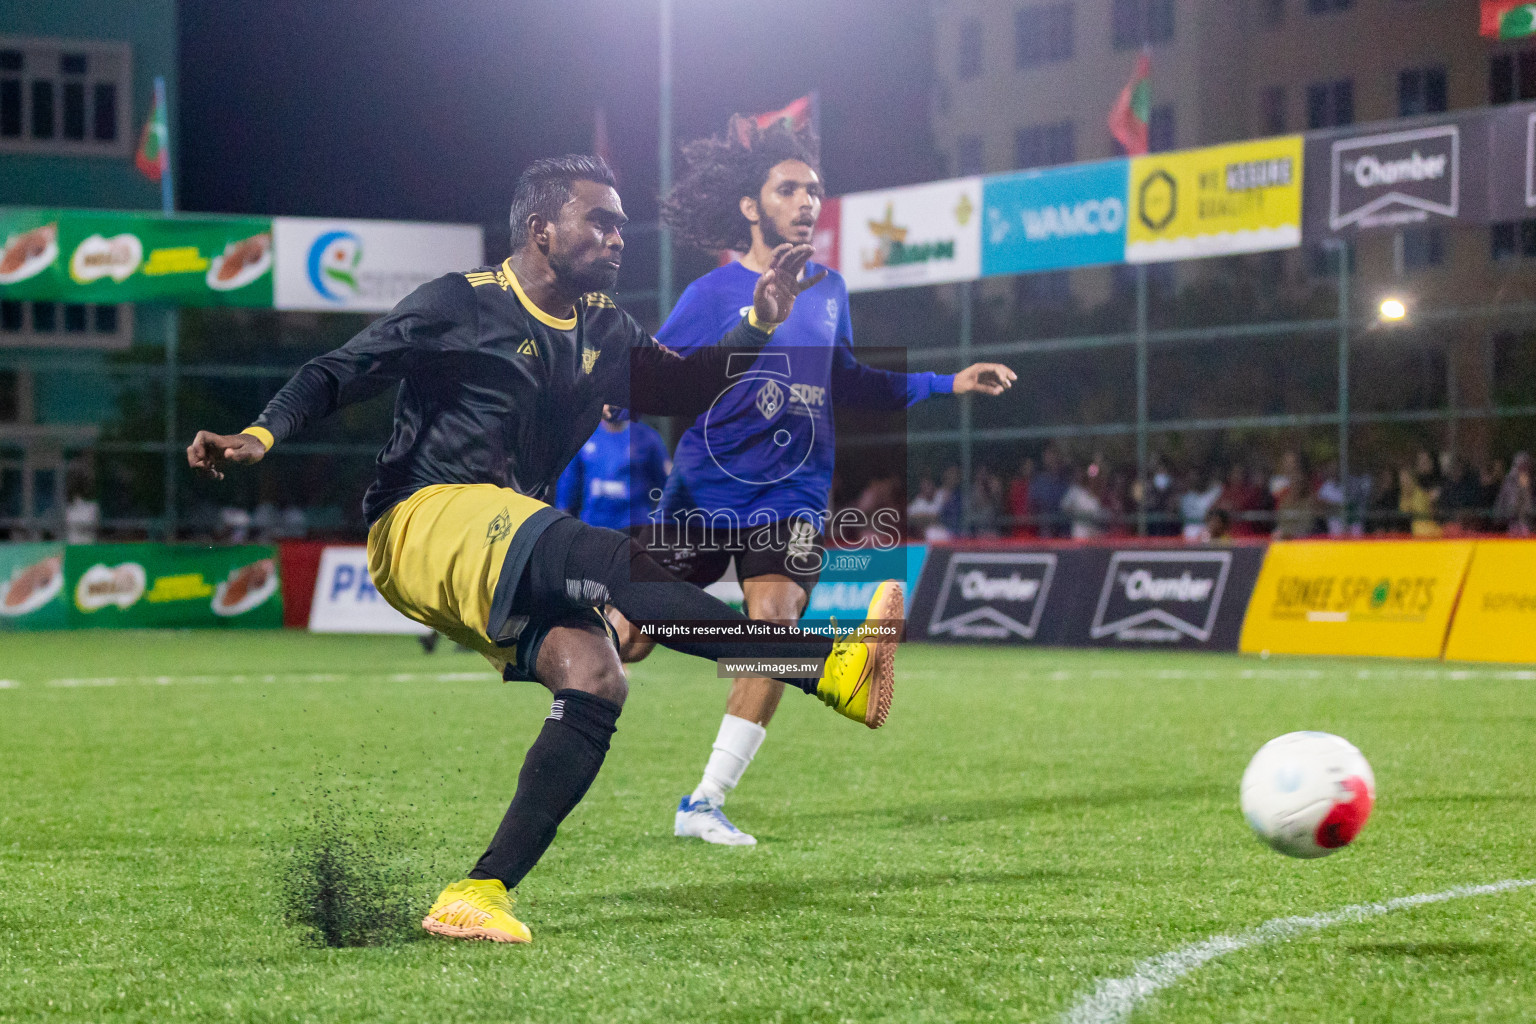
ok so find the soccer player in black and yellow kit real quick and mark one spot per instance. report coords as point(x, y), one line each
point(503, 375)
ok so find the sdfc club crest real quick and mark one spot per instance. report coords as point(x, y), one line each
point(770, 399)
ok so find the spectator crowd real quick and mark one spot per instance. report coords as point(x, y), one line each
point(1431, 496)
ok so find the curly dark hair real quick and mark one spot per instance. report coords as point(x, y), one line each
point(704, 207)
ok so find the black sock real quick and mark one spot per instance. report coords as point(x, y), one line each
point(559, 767)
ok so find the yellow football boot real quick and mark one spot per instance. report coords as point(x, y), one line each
point(476, 908)
point(860, 675)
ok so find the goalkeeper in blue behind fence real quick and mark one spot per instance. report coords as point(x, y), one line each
point(752, 478)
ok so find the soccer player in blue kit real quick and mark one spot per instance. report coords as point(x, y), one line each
point(617, 477)
point(752, 478)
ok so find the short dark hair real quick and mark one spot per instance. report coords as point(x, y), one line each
point(705, 206)
point(546, 186)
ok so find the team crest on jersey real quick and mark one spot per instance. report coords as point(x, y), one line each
point(589, 359)
point(770, 399)
point(500, 527)
point(528, 348)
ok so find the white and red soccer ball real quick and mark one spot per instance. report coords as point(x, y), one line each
point(1308, 794)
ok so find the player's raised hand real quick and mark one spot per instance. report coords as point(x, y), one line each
point(986, 378)
point(209, 453)
point(777, 286)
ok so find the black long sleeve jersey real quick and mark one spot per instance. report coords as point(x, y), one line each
point(493, 389)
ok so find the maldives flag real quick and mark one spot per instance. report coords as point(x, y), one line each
point(153, 155)
point(1128, 117)
point(1508, 19)
point(804, 112)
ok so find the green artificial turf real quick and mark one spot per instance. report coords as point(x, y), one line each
point(1029, 823)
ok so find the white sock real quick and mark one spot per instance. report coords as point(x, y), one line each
point(735, 747)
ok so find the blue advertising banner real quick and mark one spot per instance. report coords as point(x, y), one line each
point(1054, 218)
point(848, 581)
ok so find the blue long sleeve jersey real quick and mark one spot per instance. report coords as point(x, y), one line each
point(765, 450)
point(616, 477)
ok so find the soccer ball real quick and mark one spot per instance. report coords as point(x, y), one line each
point(1308, 794)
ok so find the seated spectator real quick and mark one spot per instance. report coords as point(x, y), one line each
point(1330, 501)
point(1018, 502)
point(1082, 508)
point(1292, 493)
point(952, 508)
point(986, 502)
point(1462, 498)
point(1417, 503)
point(1386, 496)
point(1159, 501)
point(1046, 490)
point(1515, 507)
point(1196, 499)
point(923, 512)
point(1242, 500)
point(1218, 526)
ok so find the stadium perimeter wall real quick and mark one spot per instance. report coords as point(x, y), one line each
point(1461, 600)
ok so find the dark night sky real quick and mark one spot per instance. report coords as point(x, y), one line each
point(428, 110)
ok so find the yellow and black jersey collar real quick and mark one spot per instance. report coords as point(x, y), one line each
point(528, 304)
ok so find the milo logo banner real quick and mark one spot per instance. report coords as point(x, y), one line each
point(32, 587)
point(109, 257)
point(53, 586)
point(1191, 597)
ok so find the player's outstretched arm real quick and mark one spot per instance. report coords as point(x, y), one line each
point(985, 379)
point(209, 453)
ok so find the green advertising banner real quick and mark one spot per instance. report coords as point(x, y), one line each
point(32, 587)
point(160, 585)
point(108, 257)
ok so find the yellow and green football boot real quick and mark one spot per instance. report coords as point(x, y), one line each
point(476, 908)
point(860, 675)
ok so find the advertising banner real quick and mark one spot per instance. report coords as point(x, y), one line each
point(1496, 617)
point(1386, 598)
point(1054, 218)
point(160, 585)
point(1394, 175)
point(1165, 597)
point(365, 265)
point(32, 587)
point(110, 257)
point(1191, 597)
point(346, 601)
point(1243, 197)
point(995, 596)
point(921, 234)
point(848, 582)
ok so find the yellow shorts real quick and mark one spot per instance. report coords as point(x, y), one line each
point(439, 558)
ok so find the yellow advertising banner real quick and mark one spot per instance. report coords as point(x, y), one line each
point(1244, 197)
point(1496, 618)
point(1388, 598)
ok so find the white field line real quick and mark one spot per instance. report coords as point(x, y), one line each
point(1113, 1001)
point(1396, 674)
point(238, 678)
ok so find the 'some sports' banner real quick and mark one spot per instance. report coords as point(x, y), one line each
point(1054, 218)
point(365, 265)
point(1387, 598)
point(921, 234)
point(1496, 617)
point(1244, 197)
point(109, 257)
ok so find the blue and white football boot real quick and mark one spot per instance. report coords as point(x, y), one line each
point(703, 819)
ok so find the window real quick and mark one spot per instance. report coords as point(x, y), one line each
point(1052, 289)
point(1512, 77)
point(1272, 110)
point(1330, 104)
point(1136, 23)
point(71, 325)
point(1423, 247)
point(969, 62)
point(64, 97)
point(968, 155)
point(1421, 91)
point(1042, 34)
point(1044, 145)
point(1514, 238)
point(1323, 260)
point(1160, 129)
point(1328, 6)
